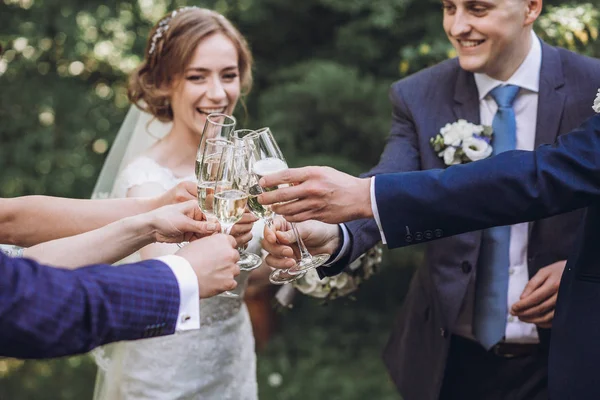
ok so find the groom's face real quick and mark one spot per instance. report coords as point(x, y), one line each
point(490, 36)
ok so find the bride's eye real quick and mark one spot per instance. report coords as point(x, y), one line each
point(230, 76)
point(195, 78)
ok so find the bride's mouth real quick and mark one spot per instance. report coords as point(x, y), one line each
point(211, 110)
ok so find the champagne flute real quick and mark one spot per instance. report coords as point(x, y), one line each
point(231, 191)
point(216, 126)
point(248, 261)
point(268, 159)
point(207, 174)
point(245, 137)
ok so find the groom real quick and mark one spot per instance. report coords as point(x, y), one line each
point(433, 351)
point(551, 180)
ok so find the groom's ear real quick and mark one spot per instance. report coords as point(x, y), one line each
point(534, 8)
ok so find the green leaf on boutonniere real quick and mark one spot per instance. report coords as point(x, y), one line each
point(487, 131)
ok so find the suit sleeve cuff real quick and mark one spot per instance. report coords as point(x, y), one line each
point(376, 211)
point(189, 293)
point(344, 249)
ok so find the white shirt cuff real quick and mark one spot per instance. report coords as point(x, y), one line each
point(189, 293)
point(345, 246)
point(375, 211)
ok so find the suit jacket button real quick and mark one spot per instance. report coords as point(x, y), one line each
point(418, 236)
point(438, 233)
point(444, 333)
point(428, 235)
point(408, 238)
point(466, 267)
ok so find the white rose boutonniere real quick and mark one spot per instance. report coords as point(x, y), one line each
point(330, 288)
point(462, 142)
point(596, 105)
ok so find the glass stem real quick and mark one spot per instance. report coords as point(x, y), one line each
point(304, 254)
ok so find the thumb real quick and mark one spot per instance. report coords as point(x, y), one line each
point(287, 237)
point(204, 227)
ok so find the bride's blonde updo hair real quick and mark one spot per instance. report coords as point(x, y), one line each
point(170, 48)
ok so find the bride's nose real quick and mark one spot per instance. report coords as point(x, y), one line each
point(216, 91)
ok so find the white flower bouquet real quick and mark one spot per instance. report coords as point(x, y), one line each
point(330, 288)
point(462, 142)
point(596, 105)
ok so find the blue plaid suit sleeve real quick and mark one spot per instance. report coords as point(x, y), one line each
point(49, 312)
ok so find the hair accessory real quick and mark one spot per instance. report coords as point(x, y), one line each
point(163, 26)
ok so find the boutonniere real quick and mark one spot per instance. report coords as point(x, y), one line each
point(596, 105)
point(462, 142)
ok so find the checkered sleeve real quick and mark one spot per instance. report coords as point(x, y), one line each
point(49, 312)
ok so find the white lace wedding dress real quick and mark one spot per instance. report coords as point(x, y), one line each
point(215, 362)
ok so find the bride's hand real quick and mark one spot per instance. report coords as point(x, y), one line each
point(241, 231)
point(184, 191)
point(183, 222)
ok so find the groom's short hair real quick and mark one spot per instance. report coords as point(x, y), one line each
point(1, 49)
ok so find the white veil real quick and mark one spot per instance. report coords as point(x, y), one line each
point(138, 133)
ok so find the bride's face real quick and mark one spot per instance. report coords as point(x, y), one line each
point(210, 83)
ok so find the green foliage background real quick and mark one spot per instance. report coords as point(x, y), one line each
point(323, 68)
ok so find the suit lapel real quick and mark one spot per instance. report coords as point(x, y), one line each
point(466, 98)
point(551, 99)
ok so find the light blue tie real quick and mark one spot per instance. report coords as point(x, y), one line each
point(490, 312)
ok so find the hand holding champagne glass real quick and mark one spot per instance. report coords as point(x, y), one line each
point(267, 159)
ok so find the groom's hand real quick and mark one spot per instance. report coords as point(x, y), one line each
point(214, 261)
point(280, 241)
point(538, 299)
point(318, 193)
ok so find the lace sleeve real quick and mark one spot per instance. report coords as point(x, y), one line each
point(141, 170)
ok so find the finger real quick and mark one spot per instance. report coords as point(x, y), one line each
point(537, 297)
point(243, 239)
point(534, 283)
point(240, 229)
point(309, 215)
point(189, 189)
point(296, 207)
point(290, 175)
point(287, 237)
point(538, 309)
point(231, 240)
point(280, 262)
point(247, 218)
point(282, 195)
point(545, 320)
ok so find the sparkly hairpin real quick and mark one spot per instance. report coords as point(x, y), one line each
point(163, 26)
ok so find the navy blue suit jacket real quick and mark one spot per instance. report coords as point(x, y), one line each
point(515, 187)
point(49, 312)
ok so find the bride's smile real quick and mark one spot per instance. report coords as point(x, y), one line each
point(210, 83)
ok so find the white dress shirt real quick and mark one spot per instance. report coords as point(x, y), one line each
point(527, 77)
point(189, 293)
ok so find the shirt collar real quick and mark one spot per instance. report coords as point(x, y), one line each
point(527, 76)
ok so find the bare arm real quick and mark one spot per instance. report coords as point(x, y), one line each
point(169, 224)
point(27, 221)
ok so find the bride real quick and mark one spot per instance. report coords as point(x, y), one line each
point(195, 63)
